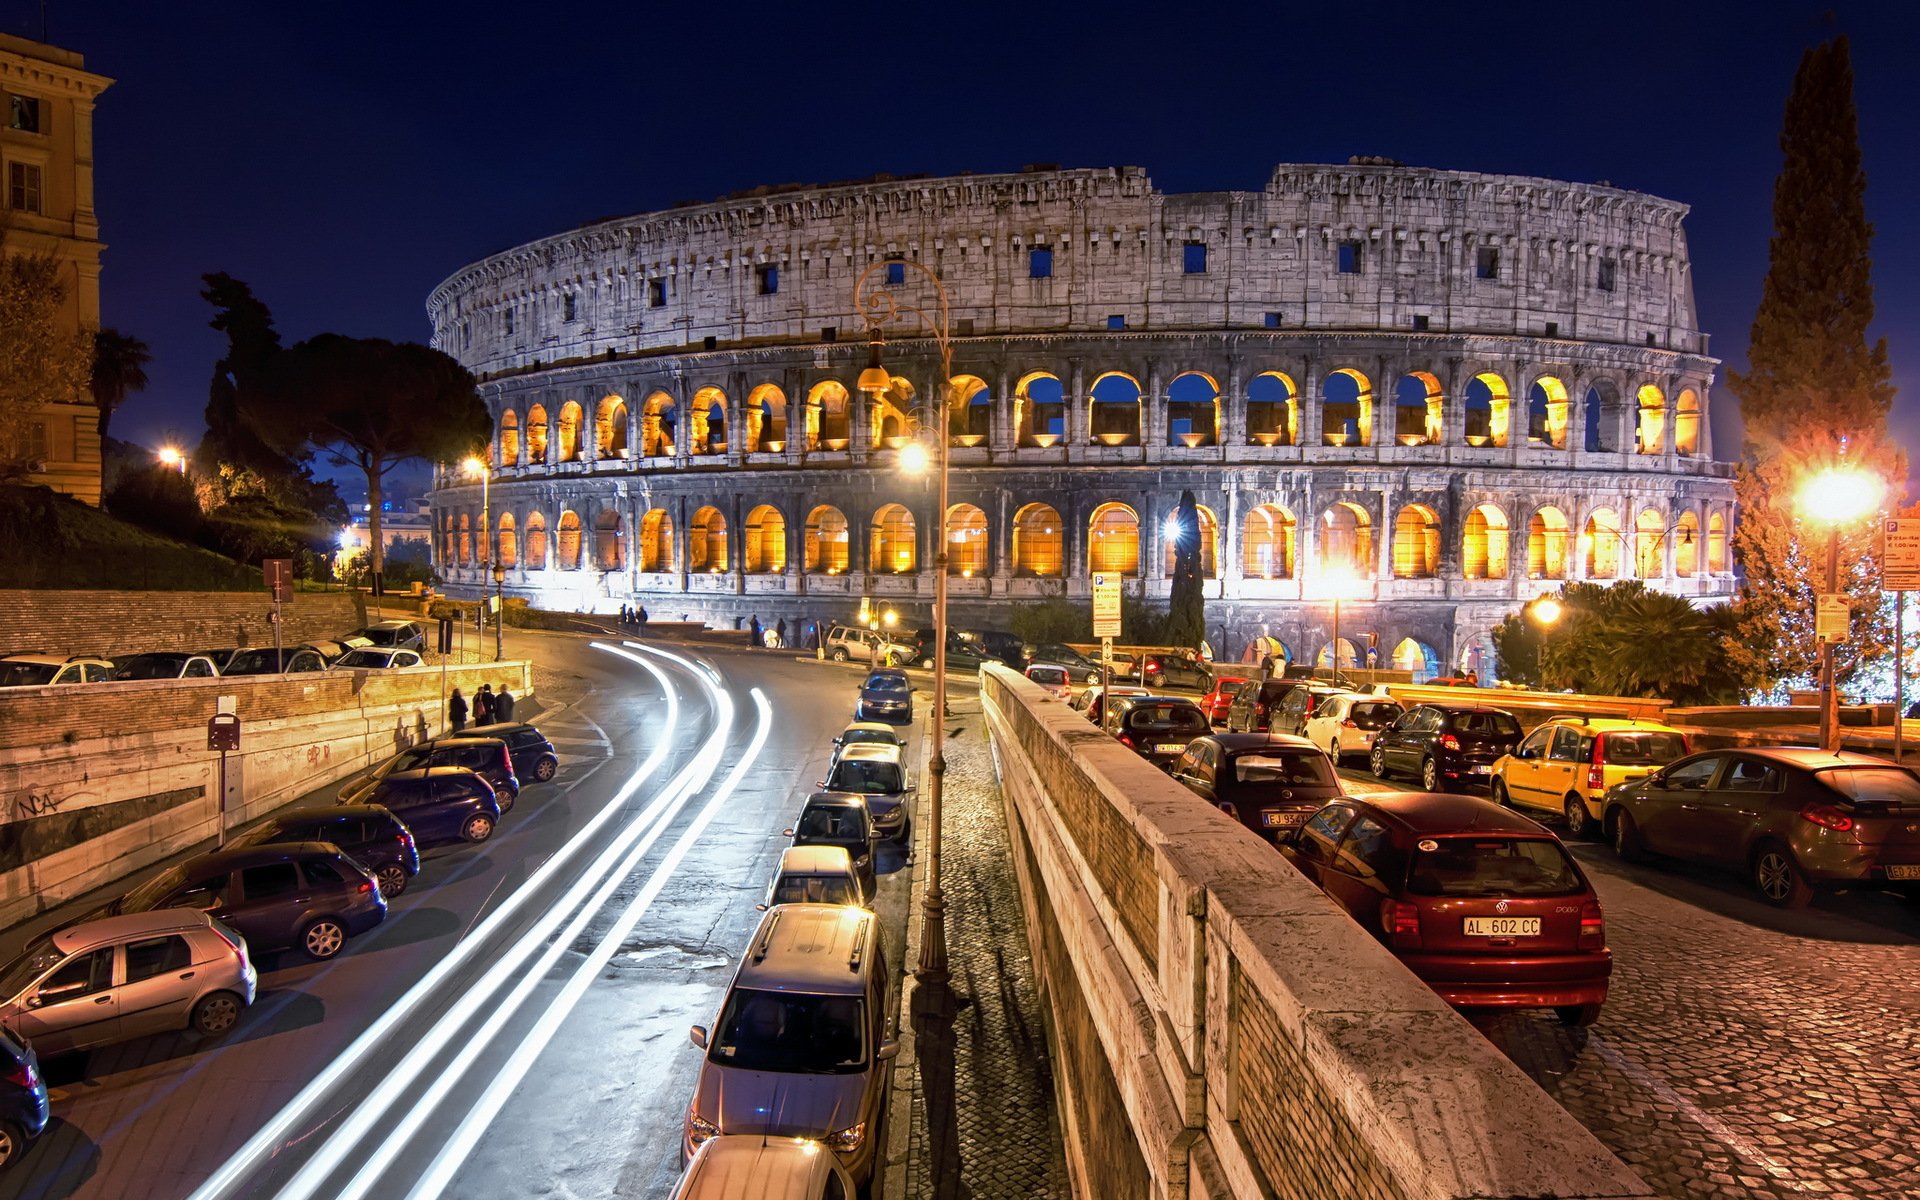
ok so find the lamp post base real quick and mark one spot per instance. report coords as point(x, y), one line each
point(931, 971)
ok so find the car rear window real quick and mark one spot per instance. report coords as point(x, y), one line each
point(814, 889)
point(887, 683)
point(1374, 714)
point(1875, 785)
point(866, 778)
point(1050, 676)
point(791, 1031)
point(841, 823)
point(1478, 866)
point(1301, 769)
point(1168, 718)
point(150, 666)
point(1495, 724)
point(1644, 749)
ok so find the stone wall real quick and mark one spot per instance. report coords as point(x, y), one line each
point(1257, 1041)
point(110, 623)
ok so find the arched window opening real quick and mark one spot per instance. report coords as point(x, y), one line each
point(707, 542)
point(1417, 657)
point(611, 427)
point(567, 542)
point(970, 419)
point(1649, 545)
point(1267, 543)
point(1485, 548)
point(1600, 544)
point(1114, 410)
point(509, 439)
point(466, 540)
point(1039, 411)
point(1346, 409)
point(1416, 543)
point(1209, 542)
point(1650, 432)
point(1717, 544)
point(537, 435)
point(1686, 424)
point(826, 549)
point(1547, 413)
point(1547, 544)
point(1346, 541)
point(1193, 410)
point(890, 414)
point(709, 432)
point(766, 420)
point(1273, 410)
point(1039, 542)
point(656, 426)
point(609, 541)
point(1113, 541)
point(536, 542)
point(509, 549)
point(966, 541)
point(891, 542)
point(829, 416)
point(1686, 547)
point(765, 550)
point(1348, 652)
point(1489, 410)
point(1417, 410)
point(568, 433)
point(656, 540)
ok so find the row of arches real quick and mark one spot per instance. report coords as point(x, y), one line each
point(1113, 413)
point(1343, 544)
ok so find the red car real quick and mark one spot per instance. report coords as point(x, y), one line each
point(1486, 907)
point(1216, 702)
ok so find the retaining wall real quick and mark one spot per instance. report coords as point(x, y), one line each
point(110, 623)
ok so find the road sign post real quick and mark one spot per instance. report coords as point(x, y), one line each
point(1900, 574)
point(1106, 627)
point(223, 734)
point(278, 573)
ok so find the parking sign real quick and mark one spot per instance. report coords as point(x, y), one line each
point(1900, 556)
point(1106, 605)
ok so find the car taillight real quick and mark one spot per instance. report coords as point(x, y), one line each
point(1228, 809)
point(506, 761)
point(366, 887)
point(1597, 771)
point(1401, 921)
point(24, 1076)
point(1449, 742)
point(1593, 927)
point(1828, 816)
point(1349, 723)
point(1126, 739)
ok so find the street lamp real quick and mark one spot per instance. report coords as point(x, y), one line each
point(1338, 584)
point(881, 308)
point(475, 465)
point(1545, 611)
point(171, 458)
point(1834, 497)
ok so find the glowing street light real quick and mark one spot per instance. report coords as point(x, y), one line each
point(914, 459)
point(171, 458)
point(1337, 584)
point(1546, 612)
point(1834, 497)
point(476, 467)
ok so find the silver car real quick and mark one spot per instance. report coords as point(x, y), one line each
point(120, 978)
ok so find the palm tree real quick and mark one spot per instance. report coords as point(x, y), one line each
point(1649, 643)
point(119, 369)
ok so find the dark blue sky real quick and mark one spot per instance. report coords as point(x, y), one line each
point(344, 159)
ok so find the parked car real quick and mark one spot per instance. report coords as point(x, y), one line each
point(305, 895)
point(835, 819)
point(1217, 702)
point(373, 658)
point(219, 658)
point(330, 652)
point(47, 670)
point(23, 1098)
point(1093, 701)
point(801, 1044)
point(370, 835)
point(443, 806)
point(815, 875)
point(1347, 722)
point(875, 773)
point(1257, 702)
point(1003, 646)
point(163, 665)
point(485, 756)
point(533, 755)
point(117, 978)
point(885, 697)
point(727, 1168)
point(1084, 668)
point(392, 635)
point(1794, 820)
point(1055, 678)
point(1485, 906)
point(961, 655)
point(1166, 668)
point(1300, 704)
point(1444, 745)
point(850, 643)
point(265, 660)
point(1157, 728)
point(1568, 765)
point(1267, 782)
point(862, 733)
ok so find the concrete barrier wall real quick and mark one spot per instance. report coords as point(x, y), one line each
point(98, 781)
point(110, 623)
point(1222, 1028)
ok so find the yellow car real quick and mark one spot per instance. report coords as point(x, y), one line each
point(1567, 765)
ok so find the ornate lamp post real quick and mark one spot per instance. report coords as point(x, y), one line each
point(475, 465)
point(881, 308)
point(1338, 584)
point(1834, 497)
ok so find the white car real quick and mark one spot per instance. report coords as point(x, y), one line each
point(1053, 677)
point(375, 658)
point(1346, 722)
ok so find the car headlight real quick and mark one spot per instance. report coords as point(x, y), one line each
point(847, 1140)
point(699, 1129)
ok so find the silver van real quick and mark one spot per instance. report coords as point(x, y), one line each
point(120, 978)
point(801, 1045)
point(815, 875)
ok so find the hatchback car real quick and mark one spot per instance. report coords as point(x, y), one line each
point(123, 977)
point(815, 875)
point(768, 1168)
point(265, 660)
point(865, 733)
point(1794, 820)
point(163, 665)
point(1346, 722)
point(874, 773)
point(532, 753)
point(1567, 765)
point(801, 1043)
point(1157, 728)
point(1485, 906)
point(1299, 706)
point(305, 895)
point(1169, 668)
point(374, 658)
point(961, 655)
point(486, 757)
point(1053, 677)
point(1443, 745)
point(23, 1098)
point(1268, 783)
point(371, 836)
point(1219, 701)
point(836, 819)
point(394, 635)
point(46, 670)
point(1257, 702)
point(1093, 701)
point(1084, 668)
point(443, 806)
point(885, 697)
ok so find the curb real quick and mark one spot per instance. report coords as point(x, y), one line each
point(900, 1104)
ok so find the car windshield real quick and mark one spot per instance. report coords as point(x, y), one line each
point(381, 637)
point(152, 891)
point(1473, 866)
point(21, 674)
point(1493, 724)
point(38, 956)
point(1047, 676)
point(1875, 785)
point(814, 889)
point(791, 1031)
point(866, 778)
point(1303, 769)
point(1226, 683)
point(1159, 719)
point(149, 666)
point(1374, 714)
point(832, 824)
point(1645, 749)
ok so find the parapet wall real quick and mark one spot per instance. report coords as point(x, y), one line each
point(1222, 1029)
point(110, 623)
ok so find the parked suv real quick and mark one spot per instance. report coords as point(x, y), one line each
point(845, 643)
point(1443, 745)
point(1567, 765)
point(23, 1098)
point(532, 754)
point(44, 670)
point(835, 819)
point(1157, 728)
point(874, 772)
point(443, 806)
point(485, 757)
point(371, 836)
point(123, 977)
point(1268, 783)
point(801, 1044)
point(306, 895)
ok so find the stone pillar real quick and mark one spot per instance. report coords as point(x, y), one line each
point(1079, 429)
point(1453, 413)
point(1155, 421)
point(1232, 425)
point(681, 540)
point(1311, 423)
point(736, 410)
point(1153, 537)
point(1000, 541)
point(1001, 435)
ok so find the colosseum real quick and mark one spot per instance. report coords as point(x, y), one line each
point(1434, 393)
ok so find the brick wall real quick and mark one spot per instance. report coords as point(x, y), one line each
point(110, 623)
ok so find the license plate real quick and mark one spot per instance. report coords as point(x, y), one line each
point(1503, 926)
point(1169, 747)
point(1908, 872)
point(1481, 769)
point(1271, 819)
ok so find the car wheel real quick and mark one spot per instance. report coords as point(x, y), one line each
point(1333, 752)
point(1500, 796)
point(216, 1014)
point(1378, 760)
point(13, 1142)
point(1625, 836)
point(323, 939)
point(544, 770)
point(479, 828)
point(1430, 776)
point(1778, 878)
point(504, 799)
point(839, 654)
point(1579, 820)
point(393, 879)
point(1577, 1016)
point(1093, 679)
point(926, 664)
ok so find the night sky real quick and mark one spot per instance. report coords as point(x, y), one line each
point(344, 159)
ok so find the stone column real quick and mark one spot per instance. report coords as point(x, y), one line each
point(1231, 428)
point(1155, 420)
point(1153, 538)
point(1311, 424)
point(1079, 429)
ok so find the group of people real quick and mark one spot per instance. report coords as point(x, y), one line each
point(760, 635)
point(489, 707)
point(632, 617)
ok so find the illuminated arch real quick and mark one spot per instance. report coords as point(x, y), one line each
point(1484, 545)
point(1273, 410)
point(1418, 410)
point(890, 542)
point(1417, 657)
point(1649, 545)
point(1113, 541)
point(764, 549)
point(1113, 409)
point(1717, 544)
point(509, 440)
point(567, 541)
point(466, 540)
point(1600, 544)
point(1547, 544)
point(1345, 541)
point(766, 419)
point(826, 541)
point(656, 426)
point(1039, 541)
point(1039, 410)
point(971, 416)
point(509, 550)
point(1346, 408)
point(966, 541)
point(1650, 430)
point(609, 540)
point(1686, 423)
point(1193, 410)
point(1209, 543)
point(1267, 543)
point(1416, 543)
point(829, 416)
point(1686, 546)
point(656, 540)
point(708, 432)
point(610, 427)
point(707, 541)
point(889, 413)
point(536, 542)
point(1548, 413)
point(1489, 410)
point(537, 434)
point(567, 432)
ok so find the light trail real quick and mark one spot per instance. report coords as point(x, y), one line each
point(453, 1154)
point(268, 1141)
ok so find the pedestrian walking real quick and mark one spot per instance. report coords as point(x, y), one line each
point(780, 632)
point(457, 711)
point(502, 705)
point(626, 616)
point(483, 705)
point(640, 619)
point(753, 634)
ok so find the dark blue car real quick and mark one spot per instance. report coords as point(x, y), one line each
point(885, 696)
point(443, 806)
point(23, 1098)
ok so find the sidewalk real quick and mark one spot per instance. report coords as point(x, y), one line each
point(980, 1081)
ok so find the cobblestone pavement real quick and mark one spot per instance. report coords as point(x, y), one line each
point(1007, 1126)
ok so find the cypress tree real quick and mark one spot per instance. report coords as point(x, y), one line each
point(1816, 393)
point(1186, 616)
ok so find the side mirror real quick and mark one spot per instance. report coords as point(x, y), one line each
point(787, 833)
point(698, 1035)
point(760, 907)
point(819, 783)
point(889, 1048)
